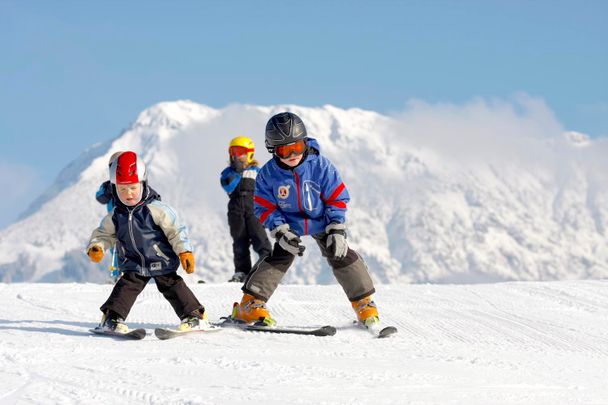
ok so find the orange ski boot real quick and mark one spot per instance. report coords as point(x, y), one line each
point(252, 310)
point(366, 311)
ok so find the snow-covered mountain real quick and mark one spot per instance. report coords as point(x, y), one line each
point(480, 193)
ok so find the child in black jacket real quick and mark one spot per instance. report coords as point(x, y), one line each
point(152, 243)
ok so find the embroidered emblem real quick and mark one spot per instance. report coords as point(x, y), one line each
point(156, 266)
point(283, 192)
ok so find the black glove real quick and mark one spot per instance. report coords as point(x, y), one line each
point(236, 164)
point(288, 240)
point(336, 240)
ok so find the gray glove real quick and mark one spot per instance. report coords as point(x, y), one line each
point(336, 240)
point(288, 240)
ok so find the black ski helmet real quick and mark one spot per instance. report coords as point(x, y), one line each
point(284, 128)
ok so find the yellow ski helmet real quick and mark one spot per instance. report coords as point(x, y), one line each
point(242, 145)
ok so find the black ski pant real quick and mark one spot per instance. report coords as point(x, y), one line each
point(246, 231)
point(171, 286)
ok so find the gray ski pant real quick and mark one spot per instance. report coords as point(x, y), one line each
point(351, 272)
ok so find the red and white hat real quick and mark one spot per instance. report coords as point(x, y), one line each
point(128, 168)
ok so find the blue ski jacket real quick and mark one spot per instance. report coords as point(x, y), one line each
point(233, 180)
point(307, 197)
point(104, 195)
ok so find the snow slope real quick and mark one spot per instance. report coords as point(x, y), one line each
point(489, 191)
point(503, 343)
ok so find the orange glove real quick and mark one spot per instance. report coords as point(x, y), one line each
point(187, 259)
point(95, 253)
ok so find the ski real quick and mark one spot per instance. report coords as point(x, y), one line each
point(135, 334)
point(166, 333)
point(294, 330)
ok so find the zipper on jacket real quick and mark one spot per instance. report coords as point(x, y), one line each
point(143, 261)
point(297, 180)
point(159, 252)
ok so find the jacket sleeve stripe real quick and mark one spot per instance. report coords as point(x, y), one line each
point(335, 194)
point(270, 207)
point(338, 204)
point(264, 203)
point(266, 214)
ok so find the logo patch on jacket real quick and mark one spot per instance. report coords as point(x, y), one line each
point(283, 192)
point(312, 195)
point(156, 266)
point(250, 174)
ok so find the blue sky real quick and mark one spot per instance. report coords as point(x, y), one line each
point(74, 73)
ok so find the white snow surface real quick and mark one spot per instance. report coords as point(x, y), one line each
point(483, 192)
point(502, 343)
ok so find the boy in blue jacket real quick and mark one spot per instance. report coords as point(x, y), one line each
point(153, 243)
point(299, 192)
point(105, 196)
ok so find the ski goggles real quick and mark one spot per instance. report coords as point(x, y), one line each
point(239, 150)
point(285, 151)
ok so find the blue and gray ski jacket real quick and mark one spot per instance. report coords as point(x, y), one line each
point(150, 236)
point(307, 197)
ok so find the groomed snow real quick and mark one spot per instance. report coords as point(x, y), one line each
point(504, 343)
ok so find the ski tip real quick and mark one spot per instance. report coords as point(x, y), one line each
point(135, 334)
point(138, 333)
point(386, 332)
point(328, 330)
point(163, 334)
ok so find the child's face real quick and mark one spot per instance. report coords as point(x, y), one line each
point(242, 158)
point(293, 160)
point(129, 194)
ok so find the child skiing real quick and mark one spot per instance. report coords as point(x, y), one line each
point(299, 192)
point(238, 180)
point(105, 195)
point(152, 243)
